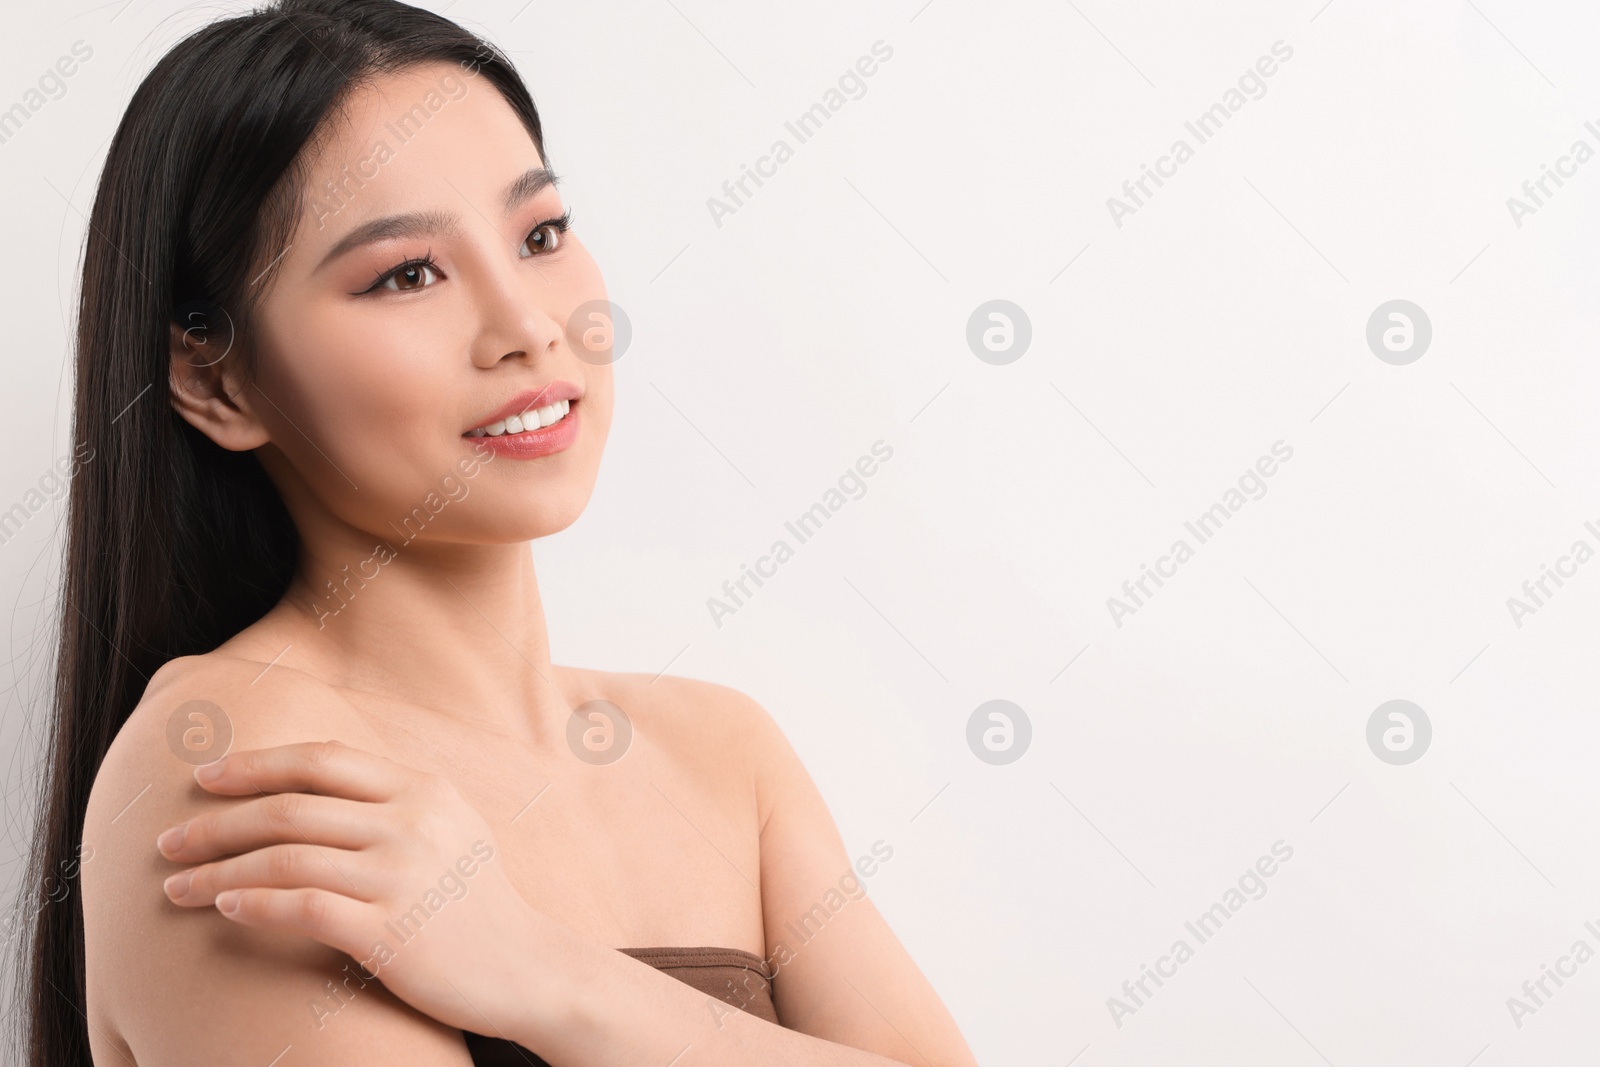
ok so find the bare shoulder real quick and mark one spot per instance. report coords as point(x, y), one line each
point(186, 986)
point(807, 878)
point(690, 714)
point(195, 709)
point(717, 728)
point(260, 698)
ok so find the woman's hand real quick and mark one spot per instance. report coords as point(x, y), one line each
point(378, 860)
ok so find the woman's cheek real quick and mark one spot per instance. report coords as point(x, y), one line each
point(394, 363)
point(364, 406)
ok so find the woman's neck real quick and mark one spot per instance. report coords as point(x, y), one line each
point(453, 627)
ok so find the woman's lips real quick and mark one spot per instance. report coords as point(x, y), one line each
point(530, 399)
point(531, 444)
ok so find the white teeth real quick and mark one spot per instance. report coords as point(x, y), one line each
point(533, 419)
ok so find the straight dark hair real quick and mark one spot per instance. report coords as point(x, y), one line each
point(175, 544)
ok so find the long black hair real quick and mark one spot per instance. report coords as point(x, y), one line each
point(175, 544)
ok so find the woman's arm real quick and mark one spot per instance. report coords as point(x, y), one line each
point(368, 835)
point(848, 996)
point(187, 987)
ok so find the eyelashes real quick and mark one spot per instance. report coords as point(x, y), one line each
point(410, 266)
point(560, 224)
point(414, 272)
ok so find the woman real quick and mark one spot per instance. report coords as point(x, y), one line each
point(340, 357)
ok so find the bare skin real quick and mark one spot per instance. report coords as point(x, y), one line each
point(435, 679)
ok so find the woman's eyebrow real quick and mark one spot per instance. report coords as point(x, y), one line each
point(409, 224)
point(528, 185)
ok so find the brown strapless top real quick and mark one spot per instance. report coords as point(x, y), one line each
point(731, 974)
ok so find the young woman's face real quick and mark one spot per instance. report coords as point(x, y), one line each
point(374, 367)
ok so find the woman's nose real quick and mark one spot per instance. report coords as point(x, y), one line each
point(511, 319)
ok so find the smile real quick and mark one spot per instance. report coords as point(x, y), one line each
point(527, 422)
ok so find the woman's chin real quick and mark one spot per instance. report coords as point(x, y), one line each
point(509, 528)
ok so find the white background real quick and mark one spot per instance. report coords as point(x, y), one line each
point(1228, 313)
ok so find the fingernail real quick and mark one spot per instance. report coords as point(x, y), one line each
point(177, 885)
point(172, 840)
point(208, 772)
point(228, 902)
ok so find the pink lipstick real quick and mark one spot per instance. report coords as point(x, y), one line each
point(533, 423)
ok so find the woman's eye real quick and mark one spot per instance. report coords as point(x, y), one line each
point(409, 276)
point(545, 238)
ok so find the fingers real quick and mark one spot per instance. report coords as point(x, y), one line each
point(329, 768)
point(327, 917)
point(270, 820)
point(277, 867)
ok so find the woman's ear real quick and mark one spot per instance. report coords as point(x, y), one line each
point(206, 384)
